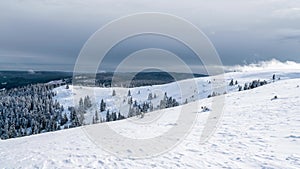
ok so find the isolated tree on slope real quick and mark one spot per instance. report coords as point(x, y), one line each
point(102, 106)
point(129, 93)
point(231, 83)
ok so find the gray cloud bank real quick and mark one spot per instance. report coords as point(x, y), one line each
point(48, 35)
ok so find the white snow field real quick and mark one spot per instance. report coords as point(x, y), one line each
point(255, 131)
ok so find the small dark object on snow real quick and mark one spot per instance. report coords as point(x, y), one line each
point(297, 86)
point(204, 109)
point(275, 97)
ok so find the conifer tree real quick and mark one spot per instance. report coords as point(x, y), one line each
point(129, 93)
point(231, 82)
point(102, 106)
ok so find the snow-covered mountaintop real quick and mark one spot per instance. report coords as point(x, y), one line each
point(254, 132)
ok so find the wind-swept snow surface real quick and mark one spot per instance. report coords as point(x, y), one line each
point(256, 131)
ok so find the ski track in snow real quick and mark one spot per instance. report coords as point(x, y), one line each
point(254, 132)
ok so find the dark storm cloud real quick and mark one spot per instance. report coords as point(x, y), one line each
point(48, 35)
point(136, 43)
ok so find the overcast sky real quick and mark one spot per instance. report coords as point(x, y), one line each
point(48, 35)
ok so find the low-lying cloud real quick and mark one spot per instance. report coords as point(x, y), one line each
point(266, 65)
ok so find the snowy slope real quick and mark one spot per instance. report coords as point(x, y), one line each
point(190, 90)
point(254, 132)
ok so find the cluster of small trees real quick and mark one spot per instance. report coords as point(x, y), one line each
point(253, 84)
point(76, 117)
point(168, 102)
point(151, 96)
point(247, 86)
point(30, 110)
point(232, 83)
point(136, 109)
point(256, 83)
point(113, 116)
point(85, 103)
point(213, 94)
point(77, 114)
point(110, 116)
point(102, 106)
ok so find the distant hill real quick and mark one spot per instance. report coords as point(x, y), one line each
point(12, 79)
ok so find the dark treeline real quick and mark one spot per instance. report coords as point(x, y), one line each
point(14, 79)
point(131, 79)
